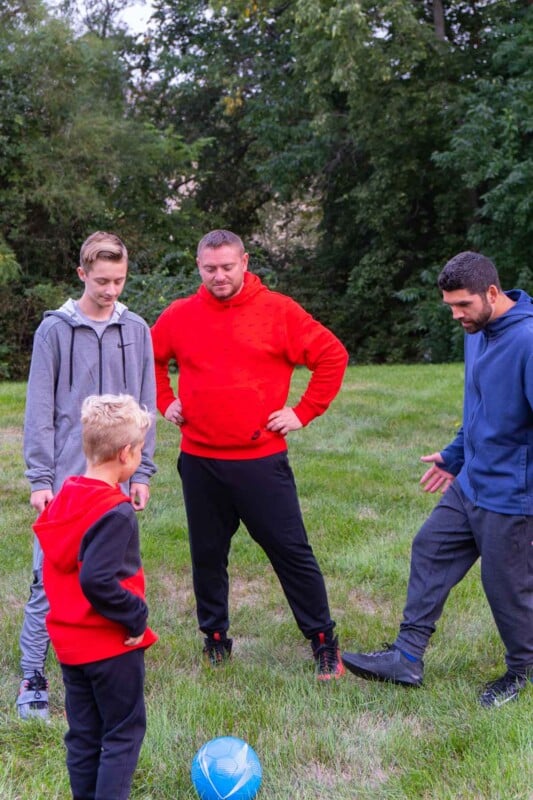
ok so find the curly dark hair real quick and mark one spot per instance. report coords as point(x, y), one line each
point(471, 271)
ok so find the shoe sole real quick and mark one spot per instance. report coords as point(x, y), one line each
point(498, 702)
point(368, 675)
point(331, 676)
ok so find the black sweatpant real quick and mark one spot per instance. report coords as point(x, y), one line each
point(104, 701)
point(261, 493)
point(453, 537)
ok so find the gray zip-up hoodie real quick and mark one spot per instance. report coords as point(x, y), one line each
point(69, 363)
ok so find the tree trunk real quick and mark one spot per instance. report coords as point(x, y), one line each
point(438, 20)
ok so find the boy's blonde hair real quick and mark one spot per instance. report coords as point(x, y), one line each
point(101, 245)
point(110, 422)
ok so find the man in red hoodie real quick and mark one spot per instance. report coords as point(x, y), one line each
point(94, 582)
point(236, 344)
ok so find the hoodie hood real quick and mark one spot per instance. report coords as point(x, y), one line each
point(522, 309)
point(252, 286)
point(69, 313)
point(64, 521)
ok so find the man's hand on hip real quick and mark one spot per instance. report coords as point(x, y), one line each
point(283, 421)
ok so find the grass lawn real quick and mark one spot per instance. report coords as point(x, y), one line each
point(357, 470)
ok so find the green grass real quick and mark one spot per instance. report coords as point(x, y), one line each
point(357, 470)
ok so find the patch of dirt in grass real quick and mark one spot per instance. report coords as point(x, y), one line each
point(11, 442)
point(366, 512)
point(248, 592)
point(12, 603)
point(362, 771)
point(10, 434)
point(179, 591)
point(366, 604)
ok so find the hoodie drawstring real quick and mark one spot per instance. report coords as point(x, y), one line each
point(71, 359)
point(121, 345)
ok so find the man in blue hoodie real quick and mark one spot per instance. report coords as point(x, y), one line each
point(486, 475)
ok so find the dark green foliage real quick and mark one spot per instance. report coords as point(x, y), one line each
point(492, 147)
point(74, 158)
point(149, 293)
point(355, 145)
point(22, 306)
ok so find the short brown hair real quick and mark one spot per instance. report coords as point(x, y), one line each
point(219, 238)
point(102, 245)
point(471, 271)
point(110, 422)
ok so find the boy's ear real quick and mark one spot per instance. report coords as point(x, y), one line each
point(123, 453)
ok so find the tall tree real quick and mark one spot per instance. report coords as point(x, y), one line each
point(383, 80)
point(72, 157)
point(227, 72)
point(492, 148)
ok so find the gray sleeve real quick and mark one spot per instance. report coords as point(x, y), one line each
point(39, 430)
point(147, 398)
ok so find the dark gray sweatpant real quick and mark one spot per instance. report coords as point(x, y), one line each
point(451, 540)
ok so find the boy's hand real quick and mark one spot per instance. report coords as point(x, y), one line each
point(131, 641)
point(40, 499)
point(140, 494)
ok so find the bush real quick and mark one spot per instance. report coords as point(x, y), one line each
point(21, 310)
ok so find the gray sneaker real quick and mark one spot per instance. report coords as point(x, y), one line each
point(504, 689)
point(32, 700)
point(385, 665)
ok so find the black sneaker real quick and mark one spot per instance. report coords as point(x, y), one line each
point(385, 665)
point(32, 700)
point(327, 657)
point(504, 689)
point(217, 648)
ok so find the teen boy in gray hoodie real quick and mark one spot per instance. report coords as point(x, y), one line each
point(94, 345)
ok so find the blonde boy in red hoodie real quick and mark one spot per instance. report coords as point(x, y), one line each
point(94, 581)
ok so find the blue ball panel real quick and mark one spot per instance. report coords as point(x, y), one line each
point(226, 767)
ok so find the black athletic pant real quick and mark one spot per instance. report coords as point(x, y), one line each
point(104, 701)
point(261, 493)
point(451, 540)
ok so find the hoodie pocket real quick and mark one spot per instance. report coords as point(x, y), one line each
point(498, 475)
point(225, 417)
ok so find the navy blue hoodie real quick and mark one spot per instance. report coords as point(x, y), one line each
point(492, 454)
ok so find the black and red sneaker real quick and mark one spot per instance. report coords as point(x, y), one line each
point(217, 648)
point(327, 656)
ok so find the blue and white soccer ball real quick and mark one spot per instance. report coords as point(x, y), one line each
point(226, 767)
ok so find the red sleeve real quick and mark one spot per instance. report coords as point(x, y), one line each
point(313, 345)
point(163, 353)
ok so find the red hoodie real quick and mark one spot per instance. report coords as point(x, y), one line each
point(92, 572)
point(236, 358)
